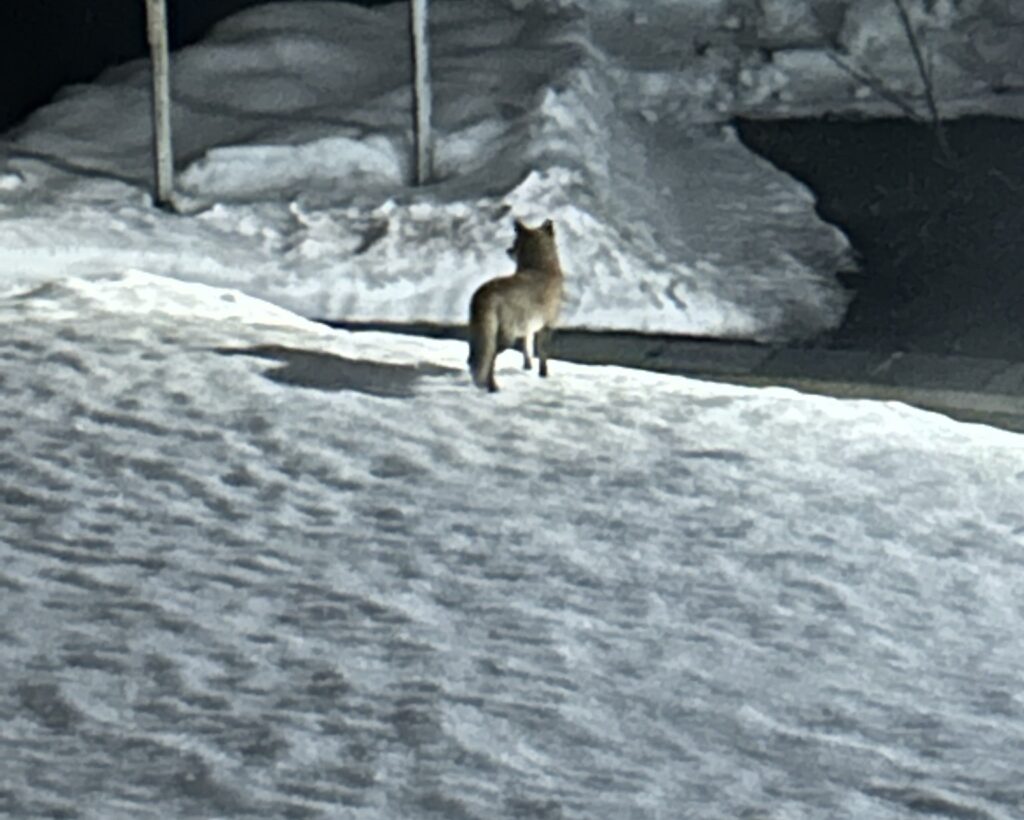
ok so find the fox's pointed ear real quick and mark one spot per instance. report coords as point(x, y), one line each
point(519, 226)
point(549, 227)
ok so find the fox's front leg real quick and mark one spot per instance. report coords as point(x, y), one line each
point(529, 340)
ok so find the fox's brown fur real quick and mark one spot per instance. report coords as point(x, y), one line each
point(523, 306)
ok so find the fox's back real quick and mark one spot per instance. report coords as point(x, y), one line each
point(524, 302)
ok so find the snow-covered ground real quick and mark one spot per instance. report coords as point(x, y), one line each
point(253, 567)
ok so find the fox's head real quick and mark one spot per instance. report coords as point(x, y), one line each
point(534, 247)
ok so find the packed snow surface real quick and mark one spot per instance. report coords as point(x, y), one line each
point(292, 140)
point(253, 567)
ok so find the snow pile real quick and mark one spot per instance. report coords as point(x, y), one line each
point(253, 567)
point(292, 140)
point(371, 161)
point(779, 58)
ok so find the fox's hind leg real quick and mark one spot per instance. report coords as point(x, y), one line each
point(484, 342)
point(540, 347)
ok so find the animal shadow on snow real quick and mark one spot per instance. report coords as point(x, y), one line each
point(327, 371)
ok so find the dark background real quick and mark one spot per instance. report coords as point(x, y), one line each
point(46, 44)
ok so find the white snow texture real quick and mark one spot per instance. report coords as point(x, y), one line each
point(253, 567)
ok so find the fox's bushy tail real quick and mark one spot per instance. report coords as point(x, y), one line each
point(483, 342)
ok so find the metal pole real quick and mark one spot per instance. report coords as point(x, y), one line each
point(156, 19)
point(421, 91)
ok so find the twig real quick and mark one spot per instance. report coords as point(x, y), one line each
point(926, 79)
point(876, 85)
point(1003, 178)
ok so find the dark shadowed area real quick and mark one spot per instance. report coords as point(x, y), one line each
point(941, 239)
point(324, 371)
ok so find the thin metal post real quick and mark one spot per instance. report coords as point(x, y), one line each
point(156, 20)
point(421, 92)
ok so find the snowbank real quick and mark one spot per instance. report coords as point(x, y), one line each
point(292, 145)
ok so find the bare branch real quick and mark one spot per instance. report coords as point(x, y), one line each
point(877, 85)
point(926, 77)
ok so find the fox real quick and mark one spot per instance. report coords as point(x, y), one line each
point(523, 306)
